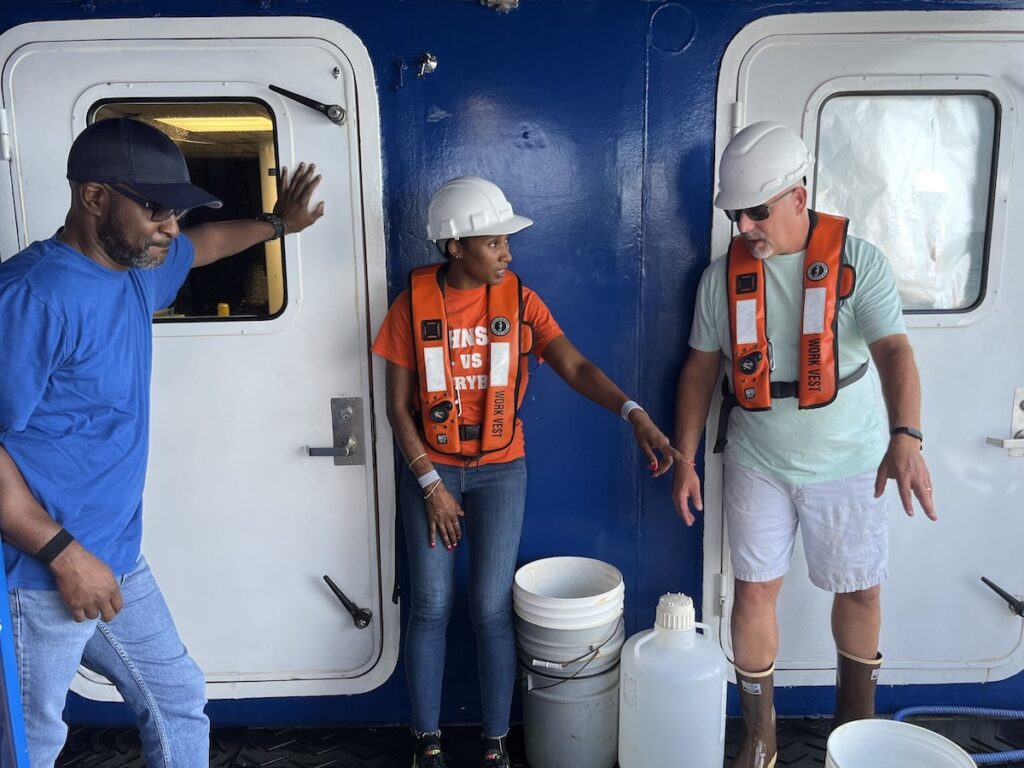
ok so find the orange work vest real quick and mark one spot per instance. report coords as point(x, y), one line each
point(509, 338)
point(828, 280)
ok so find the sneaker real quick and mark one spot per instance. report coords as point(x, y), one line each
point(428, 753)
point(495, 754)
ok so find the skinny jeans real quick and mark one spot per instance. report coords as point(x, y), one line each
point(493, 497)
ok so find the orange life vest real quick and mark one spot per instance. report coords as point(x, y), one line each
point(509, 339)
point(828, 280)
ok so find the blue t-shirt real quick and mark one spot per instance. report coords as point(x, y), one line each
point(76, 345)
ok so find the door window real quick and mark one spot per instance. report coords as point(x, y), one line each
point(231, 151)
point(913, 172)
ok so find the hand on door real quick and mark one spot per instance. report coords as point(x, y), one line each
point(293, 198)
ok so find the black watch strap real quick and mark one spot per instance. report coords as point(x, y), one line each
point(276, 221)
point(914, 433)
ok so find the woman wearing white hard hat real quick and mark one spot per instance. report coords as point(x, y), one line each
point(457, 345)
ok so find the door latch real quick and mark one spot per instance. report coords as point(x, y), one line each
point(1015, 444)
point(361, 617)
point(333, 112)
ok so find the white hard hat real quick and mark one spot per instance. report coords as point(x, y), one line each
point(469, 206)
point(761, 161)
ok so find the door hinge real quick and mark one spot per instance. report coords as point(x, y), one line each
point(721, 590)
point(5, 136)
point(736, 117)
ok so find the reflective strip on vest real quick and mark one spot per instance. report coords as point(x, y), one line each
point(824, 289)
point(438, 396)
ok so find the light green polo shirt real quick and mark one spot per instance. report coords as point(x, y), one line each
point(839, 440)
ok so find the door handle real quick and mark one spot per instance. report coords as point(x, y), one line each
point(1015, 444)
point(347, 429)
point(348, 449)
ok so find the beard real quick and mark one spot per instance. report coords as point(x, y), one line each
point(759, 247)
point(111, 237)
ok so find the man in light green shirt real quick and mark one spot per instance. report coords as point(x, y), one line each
point(792, 461)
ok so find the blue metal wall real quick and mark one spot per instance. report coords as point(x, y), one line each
point(596, 117)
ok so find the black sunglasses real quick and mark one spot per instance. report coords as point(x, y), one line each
point(157, 212)
point(758, 212)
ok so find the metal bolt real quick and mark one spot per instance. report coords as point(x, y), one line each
point(428, 63)
point(336, 72)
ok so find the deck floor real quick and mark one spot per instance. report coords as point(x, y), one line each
point(801, 745)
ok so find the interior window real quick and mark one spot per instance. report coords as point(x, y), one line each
point(913, 172)
point(231, 151)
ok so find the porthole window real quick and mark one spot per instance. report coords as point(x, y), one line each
point(231, 151)
point(913, 172)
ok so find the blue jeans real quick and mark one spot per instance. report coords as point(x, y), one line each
point(493, 496)
point(139, 651)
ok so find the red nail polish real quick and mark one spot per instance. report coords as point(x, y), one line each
point(654, 465)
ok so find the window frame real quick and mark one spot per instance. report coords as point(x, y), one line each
point(95, 108)
point(999, 178)
point(989, 198)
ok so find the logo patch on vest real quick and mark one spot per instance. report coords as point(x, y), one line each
point(817, 271)
point(746, 283)
point(500, 326)
point(430, 330)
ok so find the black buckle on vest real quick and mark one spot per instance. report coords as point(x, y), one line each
point(778, 389)
point(469, 431)
point(783, 389)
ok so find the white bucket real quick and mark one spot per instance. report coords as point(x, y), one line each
point(569, 634)
point(876, 743)
point(568, 593)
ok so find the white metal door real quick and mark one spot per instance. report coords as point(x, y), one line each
point(874, 92)
point(240, 523)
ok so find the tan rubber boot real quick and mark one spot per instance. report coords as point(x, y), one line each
point(856, 679)
point(756, 702)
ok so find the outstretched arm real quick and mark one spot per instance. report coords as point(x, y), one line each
point(693, 398)
point(901, 388)
point(591, 382)
point(216, 240)
point(85, 583)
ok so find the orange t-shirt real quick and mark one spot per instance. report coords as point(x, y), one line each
point(470, 352)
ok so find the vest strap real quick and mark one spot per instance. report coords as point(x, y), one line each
point(779, 389)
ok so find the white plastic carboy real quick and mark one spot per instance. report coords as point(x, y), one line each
point(672, 692)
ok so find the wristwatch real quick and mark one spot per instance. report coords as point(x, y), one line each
point(276, 221)
point(914, 433)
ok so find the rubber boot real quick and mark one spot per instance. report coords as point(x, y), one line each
point(856, 679)
point(756, 702)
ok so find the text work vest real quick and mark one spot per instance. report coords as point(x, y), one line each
point(828, 280)
point(508, 339)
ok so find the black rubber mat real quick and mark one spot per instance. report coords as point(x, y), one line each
point(801, 745)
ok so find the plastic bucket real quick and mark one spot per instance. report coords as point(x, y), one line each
point(571, 723)
point(569, 635)
point(568, 593)
point(874, 743)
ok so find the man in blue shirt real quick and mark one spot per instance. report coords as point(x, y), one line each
point(75, 361)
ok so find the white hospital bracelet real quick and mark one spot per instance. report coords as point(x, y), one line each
point(427, 478)
point(629, 405)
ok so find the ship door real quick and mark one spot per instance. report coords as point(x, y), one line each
point(266, 439)
point(916, 137)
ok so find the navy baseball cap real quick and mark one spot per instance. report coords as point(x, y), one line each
point(126, 151)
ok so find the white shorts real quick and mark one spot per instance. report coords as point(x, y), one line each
point(845, 528)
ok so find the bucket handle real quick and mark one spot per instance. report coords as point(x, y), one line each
point(697, 625)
